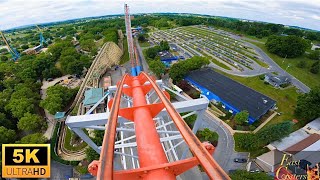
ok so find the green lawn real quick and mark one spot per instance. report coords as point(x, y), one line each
point(125, 56)
point(219, 63)
point(286, 98)
point(144, 44)
point(303, 74)
point(68, 142)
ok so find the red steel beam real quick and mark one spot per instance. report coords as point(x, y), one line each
point(150, 150)
point(105, 171)
point(212, 168)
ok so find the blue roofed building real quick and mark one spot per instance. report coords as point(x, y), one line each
point(234, 96)
point(59, 116)
point(92, 96)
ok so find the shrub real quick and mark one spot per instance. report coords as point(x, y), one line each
point(315, 67)
point(261, 77)
point(285, 85)
point(207, 135)
point(302, 64)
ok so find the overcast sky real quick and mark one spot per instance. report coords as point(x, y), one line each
point(303, 13)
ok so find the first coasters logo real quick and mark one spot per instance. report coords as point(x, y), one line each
point(26, 160)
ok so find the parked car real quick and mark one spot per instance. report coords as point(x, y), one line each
point(240, 160)
point(50, 79)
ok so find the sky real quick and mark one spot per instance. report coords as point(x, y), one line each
point(303, 13)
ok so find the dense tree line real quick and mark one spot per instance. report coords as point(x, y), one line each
point(57, 98)
point(263, 137)
point(180, 69)
point(308, 106)
point(19, 100)
point(257, 29)
point(287, 46)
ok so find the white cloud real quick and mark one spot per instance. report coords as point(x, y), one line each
point(316, 17)
point(291, 12)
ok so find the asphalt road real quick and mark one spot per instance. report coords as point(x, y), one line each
point(143, 62)
point(277, 68)
point(60, 171)
point(274, 67)
point(258, 70)
point(224, 152)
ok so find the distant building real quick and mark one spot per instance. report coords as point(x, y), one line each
point(234, 96)
point(276, 80)
point(167, 57)
point(33, 50)
point(313, 127)
point(303, 145)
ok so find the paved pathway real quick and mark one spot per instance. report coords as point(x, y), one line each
point(274, 66)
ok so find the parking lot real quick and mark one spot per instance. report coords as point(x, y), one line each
point(208, 42)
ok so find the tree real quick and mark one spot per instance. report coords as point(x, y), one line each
point(19, 107)
point(57, 98)
point(241, 117)
point(4, 58)
point(274, 132)
point(287, 46)
point(5, 122)
point(110, 35)
point(179, 70)
point(308, 106)
point(243, 174)
point(315, 55)
point(142, 37)
point(7, 135)
point(250, 142)
point(164, 46)
point(25, 46)
point(152, 52)
point(92, 154)
point(315, 67)
point(32, 122)
point(157, 67)
point(207, 135)
point(36, 138)
point(28, 73)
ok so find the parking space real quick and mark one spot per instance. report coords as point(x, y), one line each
point(206, 41)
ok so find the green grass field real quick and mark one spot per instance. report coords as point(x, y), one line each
point(125, 56)
point(144, 44)
point(67, 142)
point(219, 63)
point(303, 74)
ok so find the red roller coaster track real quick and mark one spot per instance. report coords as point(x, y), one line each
point(152, 159)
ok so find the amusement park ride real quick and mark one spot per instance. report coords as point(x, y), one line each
point(14, 53)
point(145, 135)
point(42, 39)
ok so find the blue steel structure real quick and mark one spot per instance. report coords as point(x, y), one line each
point(42, 39)
point(14, 53)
